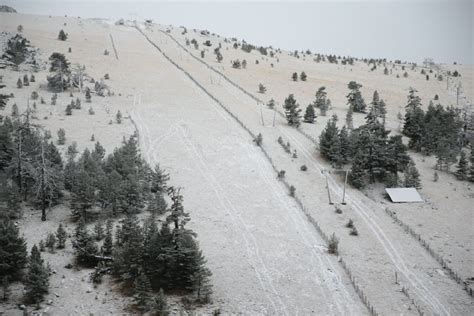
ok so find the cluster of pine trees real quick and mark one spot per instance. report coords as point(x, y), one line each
point(13, 261)
point(437, 131)
point(374, 155)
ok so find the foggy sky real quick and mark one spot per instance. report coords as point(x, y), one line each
point(403, 29)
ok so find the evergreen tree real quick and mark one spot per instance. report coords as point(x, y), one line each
point(118, 117)
point(294, 76)
point(261, 88)
point(14, 110)
point(108, 241)
point(83, 193)
point(26, 82)
point(462, 167)
point(84, 246)
point(88, 95)
point(37, 280)
point(292, 111)
point(320, 97)
point(414, 121)
point(358, 176)
point(309, 115)
point(327, 139)
point(62, 36)
point(98, 231)
point(354, 98)
point(19, 83)
point(12, 249)
point(271, 104)
point(129, 256)
point(59, 80)
point(143, 297)
point(61, 136)
point(303, 76)
point(412, 176)
point(50, 242)
point(61, 235)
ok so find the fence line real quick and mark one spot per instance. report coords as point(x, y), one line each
point(370, 307)
point(452, 273)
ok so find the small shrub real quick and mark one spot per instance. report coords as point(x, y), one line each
point(261, 88)
point(354, 231)
point(92, 138)
point(338, 209)
point(303, 168)
point(294, 154)
point(259, 139)
point(281, 174)
point(34, 95)
point(106, 76)
point(292, 190)
point(333, 244)
point(106, 52)
point(62, 36)
point(91, 111)
point(350, 223)
point(61, 136)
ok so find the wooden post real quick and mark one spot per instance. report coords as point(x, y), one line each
point(344, 191)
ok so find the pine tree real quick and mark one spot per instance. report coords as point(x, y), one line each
point(320, 97)
point(12, 249)
point(303, 76)
point(61, 235)
point(161, 305)
point(471, 169)
point(462, 167)
point(14, 110)
point(37, 280)
point(358, 175)
point(327, 139)
point(118, 117)
point(62, 36)
point(19, 83)
point(129, 256)
point(412, 176)
point(61, 136)
point(143, 297)
point(60, 69)
point(309, 114)
point(108, 241)
point(354, 98)
point(292, 111)
point(294, 76)
point(98, 231)
point(88, 95)
point(50, 242)
point(261, 88)
point(26, 82)
point(83, 244)
point(414, 121)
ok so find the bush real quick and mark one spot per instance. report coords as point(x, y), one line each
point(34, 95)
point(292, 191)
point(350, 223)
point(354, 231)
point(262, 88)
point(259, 139)
point(303, 168)
point(62, 36)
point(333, 244)
point(281, 174)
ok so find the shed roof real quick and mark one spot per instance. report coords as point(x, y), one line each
point(404, 195)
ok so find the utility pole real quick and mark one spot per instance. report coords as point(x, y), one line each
point(344, 191)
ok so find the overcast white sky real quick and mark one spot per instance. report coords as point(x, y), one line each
point(403, 29)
